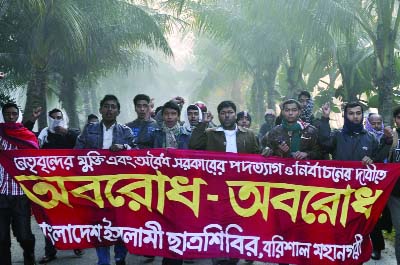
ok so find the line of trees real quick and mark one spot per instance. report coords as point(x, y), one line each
point(283, 47)
point(257, 52)
point(62, 47)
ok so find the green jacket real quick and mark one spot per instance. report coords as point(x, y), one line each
point(213, 139)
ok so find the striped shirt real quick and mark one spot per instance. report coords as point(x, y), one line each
point(8, 186)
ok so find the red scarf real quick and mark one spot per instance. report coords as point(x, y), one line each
point(17, 135)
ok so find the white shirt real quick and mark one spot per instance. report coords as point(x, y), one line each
point(107, 136)
point(230, 137)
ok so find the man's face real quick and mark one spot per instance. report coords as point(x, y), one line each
point(397, 120)
point(227, 118)
point(303, 100)
point(142, 109)
point(57, 115)
point(244, 122)
point(109, 111)
point(269, 118)
point(291, 112)
point(170, 117)
point(11, 114)
point(193, 116)
point(376, 122)
point(354, 115)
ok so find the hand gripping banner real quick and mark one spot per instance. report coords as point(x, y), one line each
point(195, 204)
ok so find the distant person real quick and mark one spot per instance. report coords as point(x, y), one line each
point(15, 207)
point(92, 118)
point(269, 118)
point(191, 117)
point(374, 125)
point(307, 104)
point(143, 126)
point(394, 200)
point(243, 119)
point(204, 110)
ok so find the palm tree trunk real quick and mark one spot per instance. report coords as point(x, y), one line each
point(69, 89)
point(36, 96)
point(384, 71)
point(86, 104)
point(294, 70)
point(257, 99)
point(272, 72)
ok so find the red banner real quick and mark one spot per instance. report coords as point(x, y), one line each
point(195, 204)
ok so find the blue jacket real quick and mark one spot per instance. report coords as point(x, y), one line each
point(92, 136)
point(351, 147)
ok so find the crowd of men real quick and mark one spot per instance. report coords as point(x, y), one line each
point(295, 133)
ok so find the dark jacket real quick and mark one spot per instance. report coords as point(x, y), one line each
point(143, 132)
point(394, 157)
point(352, 147)
point(213, 139)
point(58, 141)
point(92, 136)
point(182, 139)
point(308, 141)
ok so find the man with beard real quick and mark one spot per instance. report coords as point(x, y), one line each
point(374, 125)
point(352, 142)
point(228, 137)
point(15, 207)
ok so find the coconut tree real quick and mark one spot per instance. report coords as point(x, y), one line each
point(114, 43)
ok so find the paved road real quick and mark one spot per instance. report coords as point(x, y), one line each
point(67, 257)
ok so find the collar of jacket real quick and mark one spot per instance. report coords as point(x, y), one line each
point(238, 128)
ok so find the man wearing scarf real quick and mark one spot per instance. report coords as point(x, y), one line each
point(13, 201)
point(56, 136)
point(191, 117)
point(243, 119)
point(374, 125)
point(294, 137)
point(353, 142)
point(171, 135)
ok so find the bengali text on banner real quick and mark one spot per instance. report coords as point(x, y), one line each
point(196, 204)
